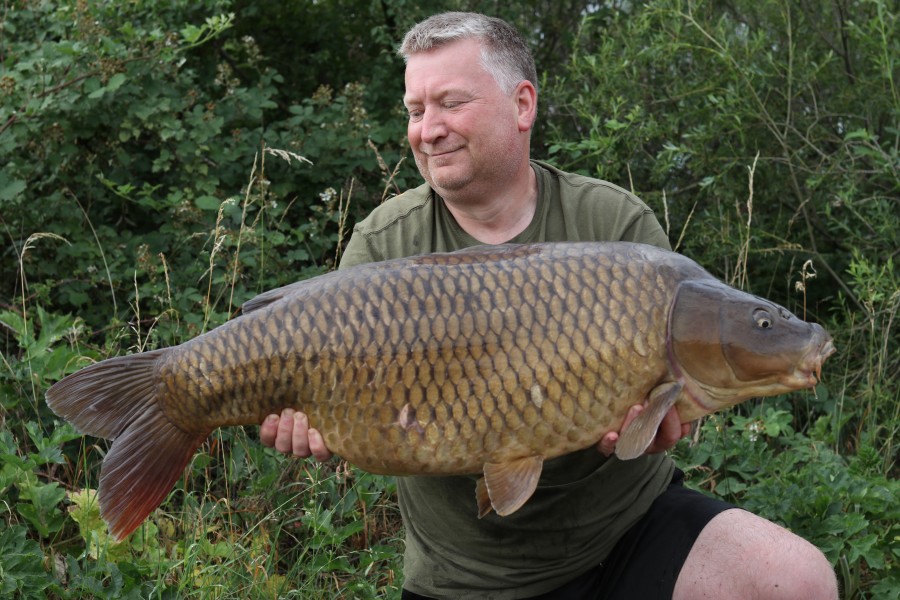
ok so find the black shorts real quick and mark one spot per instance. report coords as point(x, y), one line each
point(645, 563)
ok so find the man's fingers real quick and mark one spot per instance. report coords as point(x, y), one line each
point(285, 430)
point(607, 443)
point(267, 431)
point(300, 435)
point(668, 434)
point(317, 445)
point(289, 433)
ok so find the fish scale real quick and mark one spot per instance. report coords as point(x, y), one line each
point(490, 359)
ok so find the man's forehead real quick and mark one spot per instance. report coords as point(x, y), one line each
point(439, 90)
point(455, 47)
point(464, 75)
point(459, 53)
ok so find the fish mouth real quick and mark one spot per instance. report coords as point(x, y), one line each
point(827, 350)
point(808, 372)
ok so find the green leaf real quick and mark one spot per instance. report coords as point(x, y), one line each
point(15, 322)
point(21, 565)
point(41, 507)
point(94, 88)
point(9, 189)
point(208, 203)
point(191, 33)
point(858, 134)
point(115, 82)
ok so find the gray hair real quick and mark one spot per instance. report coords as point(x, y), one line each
point(504, 53)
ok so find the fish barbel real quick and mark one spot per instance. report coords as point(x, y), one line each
point(487, 360)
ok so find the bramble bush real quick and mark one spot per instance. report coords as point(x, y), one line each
point(164, 163)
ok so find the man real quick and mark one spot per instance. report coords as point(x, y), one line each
point(596, 527)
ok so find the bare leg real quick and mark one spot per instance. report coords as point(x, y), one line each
point(741, 556)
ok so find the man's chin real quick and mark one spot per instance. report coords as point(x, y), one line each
point(446, 179)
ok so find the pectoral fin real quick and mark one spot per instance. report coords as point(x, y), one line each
point(505, 487)
point(640, 433)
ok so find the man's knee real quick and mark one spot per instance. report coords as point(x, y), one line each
point(801, 569)
point(740, 555)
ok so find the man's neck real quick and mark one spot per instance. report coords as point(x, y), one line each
point(504, 216)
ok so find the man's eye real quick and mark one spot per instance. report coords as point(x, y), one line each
point(415, 115)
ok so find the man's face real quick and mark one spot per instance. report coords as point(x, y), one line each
point(462, 128)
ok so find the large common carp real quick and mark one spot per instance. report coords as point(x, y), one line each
point(488, 360)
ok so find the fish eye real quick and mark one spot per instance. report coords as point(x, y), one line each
point(763, 318)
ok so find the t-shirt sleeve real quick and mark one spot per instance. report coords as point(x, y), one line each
point(397, 228)
point(357, 251)
point(647, 230)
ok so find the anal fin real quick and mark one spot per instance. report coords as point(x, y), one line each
point(506, 486)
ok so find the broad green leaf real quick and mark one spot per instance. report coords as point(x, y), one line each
point(208, 203)
point(9, 189)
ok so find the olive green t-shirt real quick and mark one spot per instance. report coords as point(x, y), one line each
point(584, 501)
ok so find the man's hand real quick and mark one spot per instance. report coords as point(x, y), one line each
point(291, 434)
point(670, 431)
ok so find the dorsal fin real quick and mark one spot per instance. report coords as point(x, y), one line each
point(270, 297)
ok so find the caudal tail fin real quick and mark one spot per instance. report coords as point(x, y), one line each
point(117, 399)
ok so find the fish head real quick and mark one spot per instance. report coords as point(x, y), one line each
point(726, 346)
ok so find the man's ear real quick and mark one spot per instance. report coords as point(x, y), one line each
point(525, 97)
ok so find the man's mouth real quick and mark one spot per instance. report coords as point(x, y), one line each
point(441, 153)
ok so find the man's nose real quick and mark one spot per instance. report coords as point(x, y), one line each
point(433, 126)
